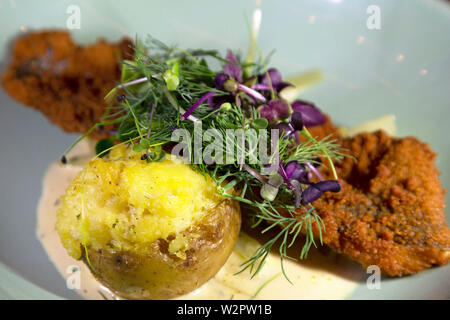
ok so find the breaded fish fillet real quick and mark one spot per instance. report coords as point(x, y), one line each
point(64, 81)
point(390, 211)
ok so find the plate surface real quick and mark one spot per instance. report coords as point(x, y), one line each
point(401, 68)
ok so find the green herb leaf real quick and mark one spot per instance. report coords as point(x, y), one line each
point(138, 148)
point(158, 157)
point(145, 143)
point(171, 79)
point(260, 123)
point(102, 146)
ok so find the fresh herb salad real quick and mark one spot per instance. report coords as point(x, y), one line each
point(168, 97)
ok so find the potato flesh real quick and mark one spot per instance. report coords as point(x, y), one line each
point(125, 204)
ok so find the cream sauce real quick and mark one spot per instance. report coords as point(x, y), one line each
point(320, 276)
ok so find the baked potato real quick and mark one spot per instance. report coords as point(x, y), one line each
point(147, 230)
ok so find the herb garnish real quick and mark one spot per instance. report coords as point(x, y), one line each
point(165, 89)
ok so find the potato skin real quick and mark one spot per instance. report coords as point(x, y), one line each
point(163, 275)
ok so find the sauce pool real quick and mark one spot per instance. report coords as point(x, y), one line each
point(320, 276)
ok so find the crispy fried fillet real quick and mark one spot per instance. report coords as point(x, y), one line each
point(66, 82)
point(390, 211)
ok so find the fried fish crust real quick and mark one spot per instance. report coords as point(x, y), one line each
point(390, 211)
point(66, 82)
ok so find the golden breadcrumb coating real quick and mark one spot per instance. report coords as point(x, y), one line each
point(66, 82)
point(390, 211)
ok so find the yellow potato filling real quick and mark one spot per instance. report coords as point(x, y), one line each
point(124, 203)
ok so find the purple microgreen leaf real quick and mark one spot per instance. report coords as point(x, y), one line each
point(316, 190)
point(283, 85)
point(266, 112)
point(295, 171)
point(218, 101)
point(275, 82)
point(296, 121)
point(311, 194)
point(273, 75)
point(284, 175)
point(284, 129)
point(220, 79)
point(328, 185)
point(233, 70)
point(274, 110)
point(310, 113)
point(280, 107)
